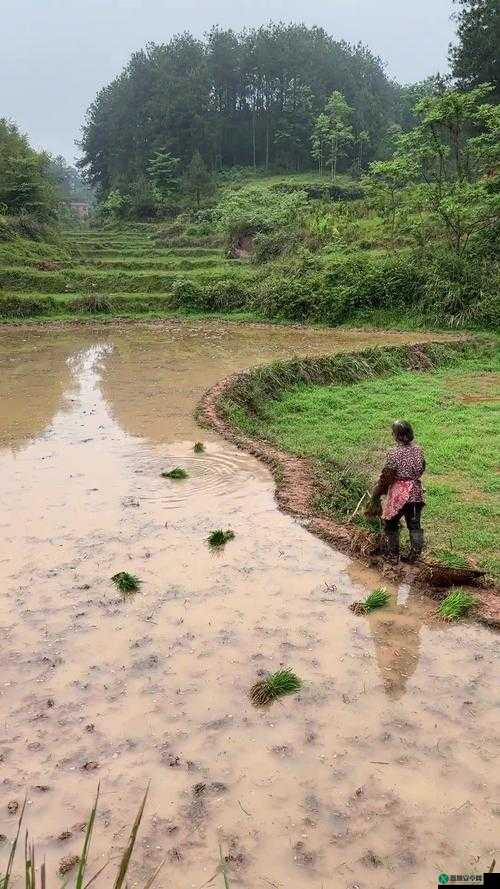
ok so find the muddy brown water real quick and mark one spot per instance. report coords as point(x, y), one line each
point(383, 769)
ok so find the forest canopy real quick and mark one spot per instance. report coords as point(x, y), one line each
point(239, 99)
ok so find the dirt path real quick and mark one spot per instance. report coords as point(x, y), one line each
point(382, 768)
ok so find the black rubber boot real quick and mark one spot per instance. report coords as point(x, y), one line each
point(391, 545)
point(416, 547)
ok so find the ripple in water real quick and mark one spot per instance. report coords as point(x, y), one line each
point(213, 473)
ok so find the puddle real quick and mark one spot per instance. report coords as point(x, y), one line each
point(382, 769)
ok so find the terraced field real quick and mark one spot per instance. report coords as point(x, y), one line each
point(125, 272)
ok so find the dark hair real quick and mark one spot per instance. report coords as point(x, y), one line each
point(402, 431)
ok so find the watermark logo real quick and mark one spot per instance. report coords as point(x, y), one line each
point(443, 879)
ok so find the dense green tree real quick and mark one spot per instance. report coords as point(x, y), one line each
point(411, 93)
point(163, 170)
point(340, 132)
point(362, 141)
point(476, 57)
point(25, 184)
point(239, 99)
point(198, 181)
point(450, 164)
point(320, 141)
point(385, 186)
point(115, 205)
point(332, 132)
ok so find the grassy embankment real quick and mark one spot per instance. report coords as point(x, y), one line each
point(344, 428)
point(315, 260)
point(117, 271)
point(132, 269)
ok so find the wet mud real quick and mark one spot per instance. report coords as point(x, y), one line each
point(383, 767)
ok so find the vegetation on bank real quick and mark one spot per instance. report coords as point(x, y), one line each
point(378, 598)
point(393, 217)
point(338, 412)
point(418, 247)
point(457, 604)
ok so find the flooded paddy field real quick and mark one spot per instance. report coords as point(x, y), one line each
point(383, 768)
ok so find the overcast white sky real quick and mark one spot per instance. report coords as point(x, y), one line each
point(56, 54)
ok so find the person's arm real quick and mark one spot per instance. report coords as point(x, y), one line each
point(386, 478)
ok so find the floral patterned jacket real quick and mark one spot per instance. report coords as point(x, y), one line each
point(403, 463)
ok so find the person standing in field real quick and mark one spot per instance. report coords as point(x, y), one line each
point(401, 483)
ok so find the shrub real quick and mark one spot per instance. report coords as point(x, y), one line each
point(94, 303)
point(26, 306)
point(439, 287)
point(321, 191)
point(24, 225)
point(256, 208)
point(464, 288)
point(187, 294)
point(225, 296)
point(280, 242)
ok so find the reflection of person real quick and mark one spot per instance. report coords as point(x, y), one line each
point(400, 481)
point(397, 647)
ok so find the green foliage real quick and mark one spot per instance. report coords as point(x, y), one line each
point(308, 411)
point(433, 286)
point(163, 170)
point(451, 159)
point(274, 686)
point(385, 187)
point(198, 447)
point(25, 186)
point(22, 226)
point(68, 181)
point(176, 473)
point(376, 599)
point(332, 132)
point(457, 604)
point(241, 99)
point(33, 878)
point(198, 182)
point(126, 583)
point(219, 537)
point(256, 208)
point(475, 58)
point(115, 204)
point(94, 303)
point(14, 306)
point(142, 198)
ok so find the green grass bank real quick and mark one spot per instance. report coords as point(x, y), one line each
point(337, 412)
point(289, 248)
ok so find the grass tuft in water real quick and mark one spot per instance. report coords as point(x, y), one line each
point(376, 599)
point(275, 685)
point(198, 447)
point(125, 582)
point(178, 472)
point(457, 604)
point(220, 537)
